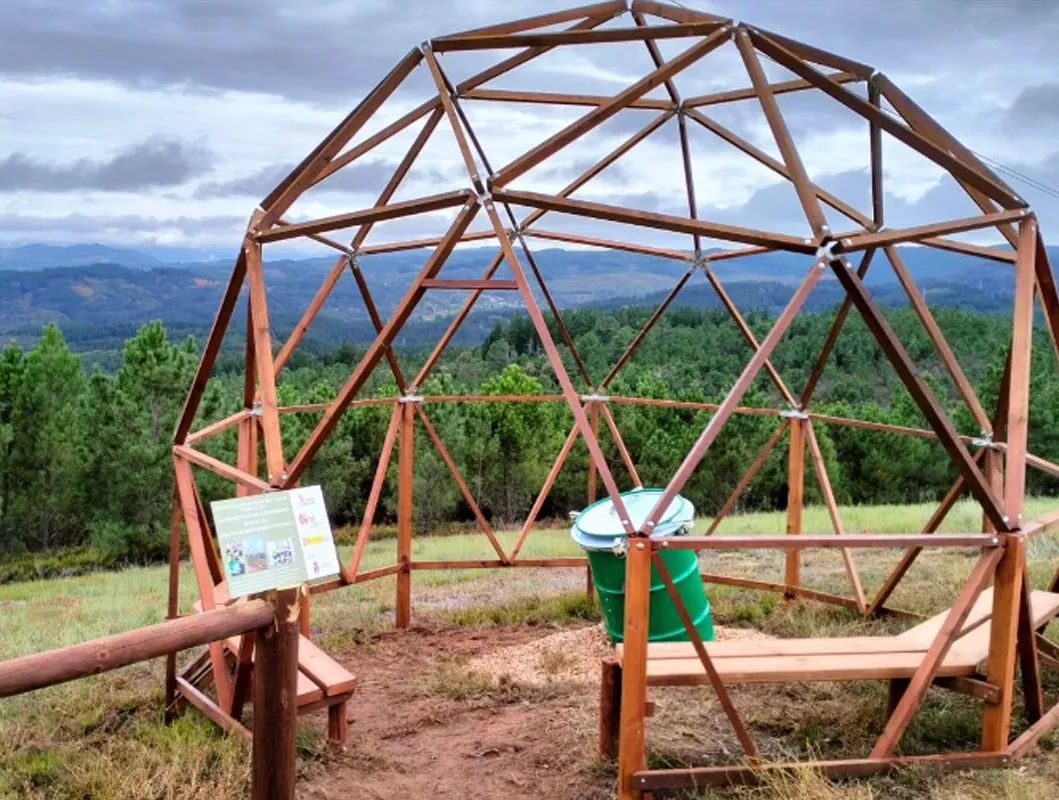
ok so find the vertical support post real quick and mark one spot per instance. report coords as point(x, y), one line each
point(405, 464)
point(590, 590)
point(795, 497)
point(173, 607)
point(273, 762)
point(305, 624)
point(609, 707)
point(1019, 383)
point(634, 666)
point(1000, 667)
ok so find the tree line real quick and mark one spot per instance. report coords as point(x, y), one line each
point(85, 456)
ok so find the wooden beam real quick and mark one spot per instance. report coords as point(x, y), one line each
point(302, 177)
point(806, 541)
point(601, 114)
point(651, 219)
point(266, 376)
point(213, 346)
point(782, 87)
point(939, 648)
point(748, 476)
point(735, 394)
point(611, 8)
point(862, 241)
point(1003, 627)
point(836, 519)
point(941, 344)
point(422, 205)
point(1018, 404)
point(377, 349)
point(773, 47)
point(542, 495)
point(561, 38)
point(920, 392)
point(559, 98)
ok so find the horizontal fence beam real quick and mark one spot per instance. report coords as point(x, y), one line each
point(803, 542)
point(497, 564)
point(36, 671)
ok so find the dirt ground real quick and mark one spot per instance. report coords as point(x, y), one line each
point(426, 726)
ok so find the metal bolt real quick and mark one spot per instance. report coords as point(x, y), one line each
point(807, 241)
point(1006, 520)
point(825, 228)
point(665, 544)
point(847, 242)
point(639, 546)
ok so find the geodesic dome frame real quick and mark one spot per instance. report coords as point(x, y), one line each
point(991, 466)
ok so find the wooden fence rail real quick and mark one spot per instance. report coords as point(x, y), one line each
point(274, 623)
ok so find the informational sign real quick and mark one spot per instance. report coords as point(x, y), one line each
point(274, 540)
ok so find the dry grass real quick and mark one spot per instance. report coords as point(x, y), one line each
point(103, 738)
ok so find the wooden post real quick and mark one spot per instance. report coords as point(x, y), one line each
point(609, 707)
point(173, 607)
point(634, 667)
point(795, 496)
point(405, 476)
point(1000, 668)
point(273, 764)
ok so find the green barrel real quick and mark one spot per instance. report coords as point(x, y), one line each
point(598, 530)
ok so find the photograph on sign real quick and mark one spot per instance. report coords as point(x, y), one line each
point(275, 540)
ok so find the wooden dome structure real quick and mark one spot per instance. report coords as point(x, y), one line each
point(495, 205)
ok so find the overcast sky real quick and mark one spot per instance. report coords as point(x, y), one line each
point(164, 122)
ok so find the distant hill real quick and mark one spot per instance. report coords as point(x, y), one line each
point(42, 256)
point(98, 303)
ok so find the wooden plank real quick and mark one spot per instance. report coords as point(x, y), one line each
point(749, 93)
point(609, 707)
point(746, 648)
point(542, 495)
point(863, 241)
point(795, 668)
point(323, 670)
point(782, 542)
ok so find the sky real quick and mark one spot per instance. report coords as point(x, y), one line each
point(163, 123)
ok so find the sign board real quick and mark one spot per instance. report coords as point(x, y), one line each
point(274, 540)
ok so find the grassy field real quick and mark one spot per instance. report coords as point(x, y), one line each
point(102, 737)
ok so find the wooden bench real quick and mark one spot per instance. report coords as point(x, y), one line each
point(322, 681)
point(894, 658)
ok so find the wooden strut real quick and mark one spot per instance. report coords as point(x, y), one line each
point(707, 663)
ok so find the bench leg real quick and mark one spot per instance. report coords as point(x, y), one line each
point(609, 708)
point(894, 694)
point(337, 724)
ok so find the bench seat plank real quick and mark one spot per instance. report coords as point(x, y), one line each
point(740, 648)
point(770, 669)
point(325, 672)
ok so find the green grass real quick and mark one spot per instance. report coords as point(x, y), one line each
point(102, 737)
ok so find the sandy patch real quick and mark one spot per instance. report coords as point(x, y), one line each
point(567, 656)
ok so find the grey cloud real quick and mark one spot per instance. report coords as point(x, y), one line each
point(79, 226)
point(153, 163)
point(1034, 105)
point(366, 176)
